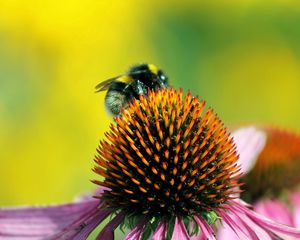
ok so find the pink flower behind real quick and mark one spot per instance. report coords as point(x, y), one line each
point(250, 141)
point(276, 210)
point(272, 180)
point(276, 169)
point(295, 201)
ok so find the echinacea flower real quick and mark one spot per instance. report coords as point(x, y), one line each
point(272, 180)
point(168, 170)
point(277, 172)
point(277, 167)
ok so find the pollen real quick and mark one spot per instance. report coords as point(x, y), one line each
point(166, 154)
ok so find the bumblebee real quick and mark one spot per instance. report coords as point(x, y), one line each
point(124, 88)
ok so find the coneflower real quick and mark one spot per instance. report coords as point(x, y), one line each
point(166, 157)
point(169, 171)
point(276, 168)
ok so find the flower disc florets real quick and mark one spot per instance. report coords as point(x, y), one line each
point(167, 156)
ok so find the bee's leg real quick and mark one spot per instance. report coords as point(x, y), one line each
point(139, 87)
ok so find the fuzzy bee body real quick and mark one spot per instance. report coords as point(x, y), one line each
point(124, 88)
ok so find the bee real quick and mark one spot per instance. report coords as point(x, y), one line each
point(122, 89)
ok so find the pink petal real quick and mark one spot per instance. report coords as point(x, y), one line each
point(108, 231)
point(160, 232)
point(180, 232)
point(255, 231)
point(39, 222)
point(274, 210)
point(295, 200)
point(83, 226)
point(226, 232)
point(263, 222)
point(136, 233)
point(206, 231)
point(249, 142)
point(234, 224)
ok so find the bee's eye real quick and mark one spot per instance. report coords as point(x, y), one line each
point(162, 77)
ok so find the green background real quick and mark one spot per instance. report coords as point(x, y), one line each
point(242, 57)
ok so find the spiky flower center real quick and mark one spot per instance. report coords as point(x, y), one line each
point(167, 156)
point(277, 167)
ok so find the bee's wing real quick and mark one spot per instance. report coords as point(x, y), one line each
point(105, 84)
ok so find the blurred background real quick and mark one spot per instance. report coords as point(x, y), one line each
point(243, 57)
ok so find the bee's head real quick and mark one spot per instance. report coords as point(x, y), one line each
point(150, 75)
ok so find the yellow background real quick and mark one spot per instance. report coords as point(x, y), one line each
point(243, 57)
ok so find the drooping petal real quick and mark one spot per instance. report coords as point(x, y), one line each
point(226, 232)
point(136, 233)
point(249, 142)
point(108, 231)
point(160, 232)
point(41, 221)
point(180, 232)
point(255, 231)
point(295, 200)
point(234, 224)
point(275, 210)
point(206, 231)
point(266, 224)
point(83, 226)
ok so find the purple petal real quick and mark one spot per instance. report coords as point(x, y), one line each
point(83, 226)
point(295, 200)
point(39, 222)
point(180, 232)
point(226, 232)
point(160, 232)
point(255, 231)
point(249, 142)
point(206, 231)
point(136, 233)
point(274, 210)
point(232, 223)
point(108, 231)
point(263, 222)
point(240, 225)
